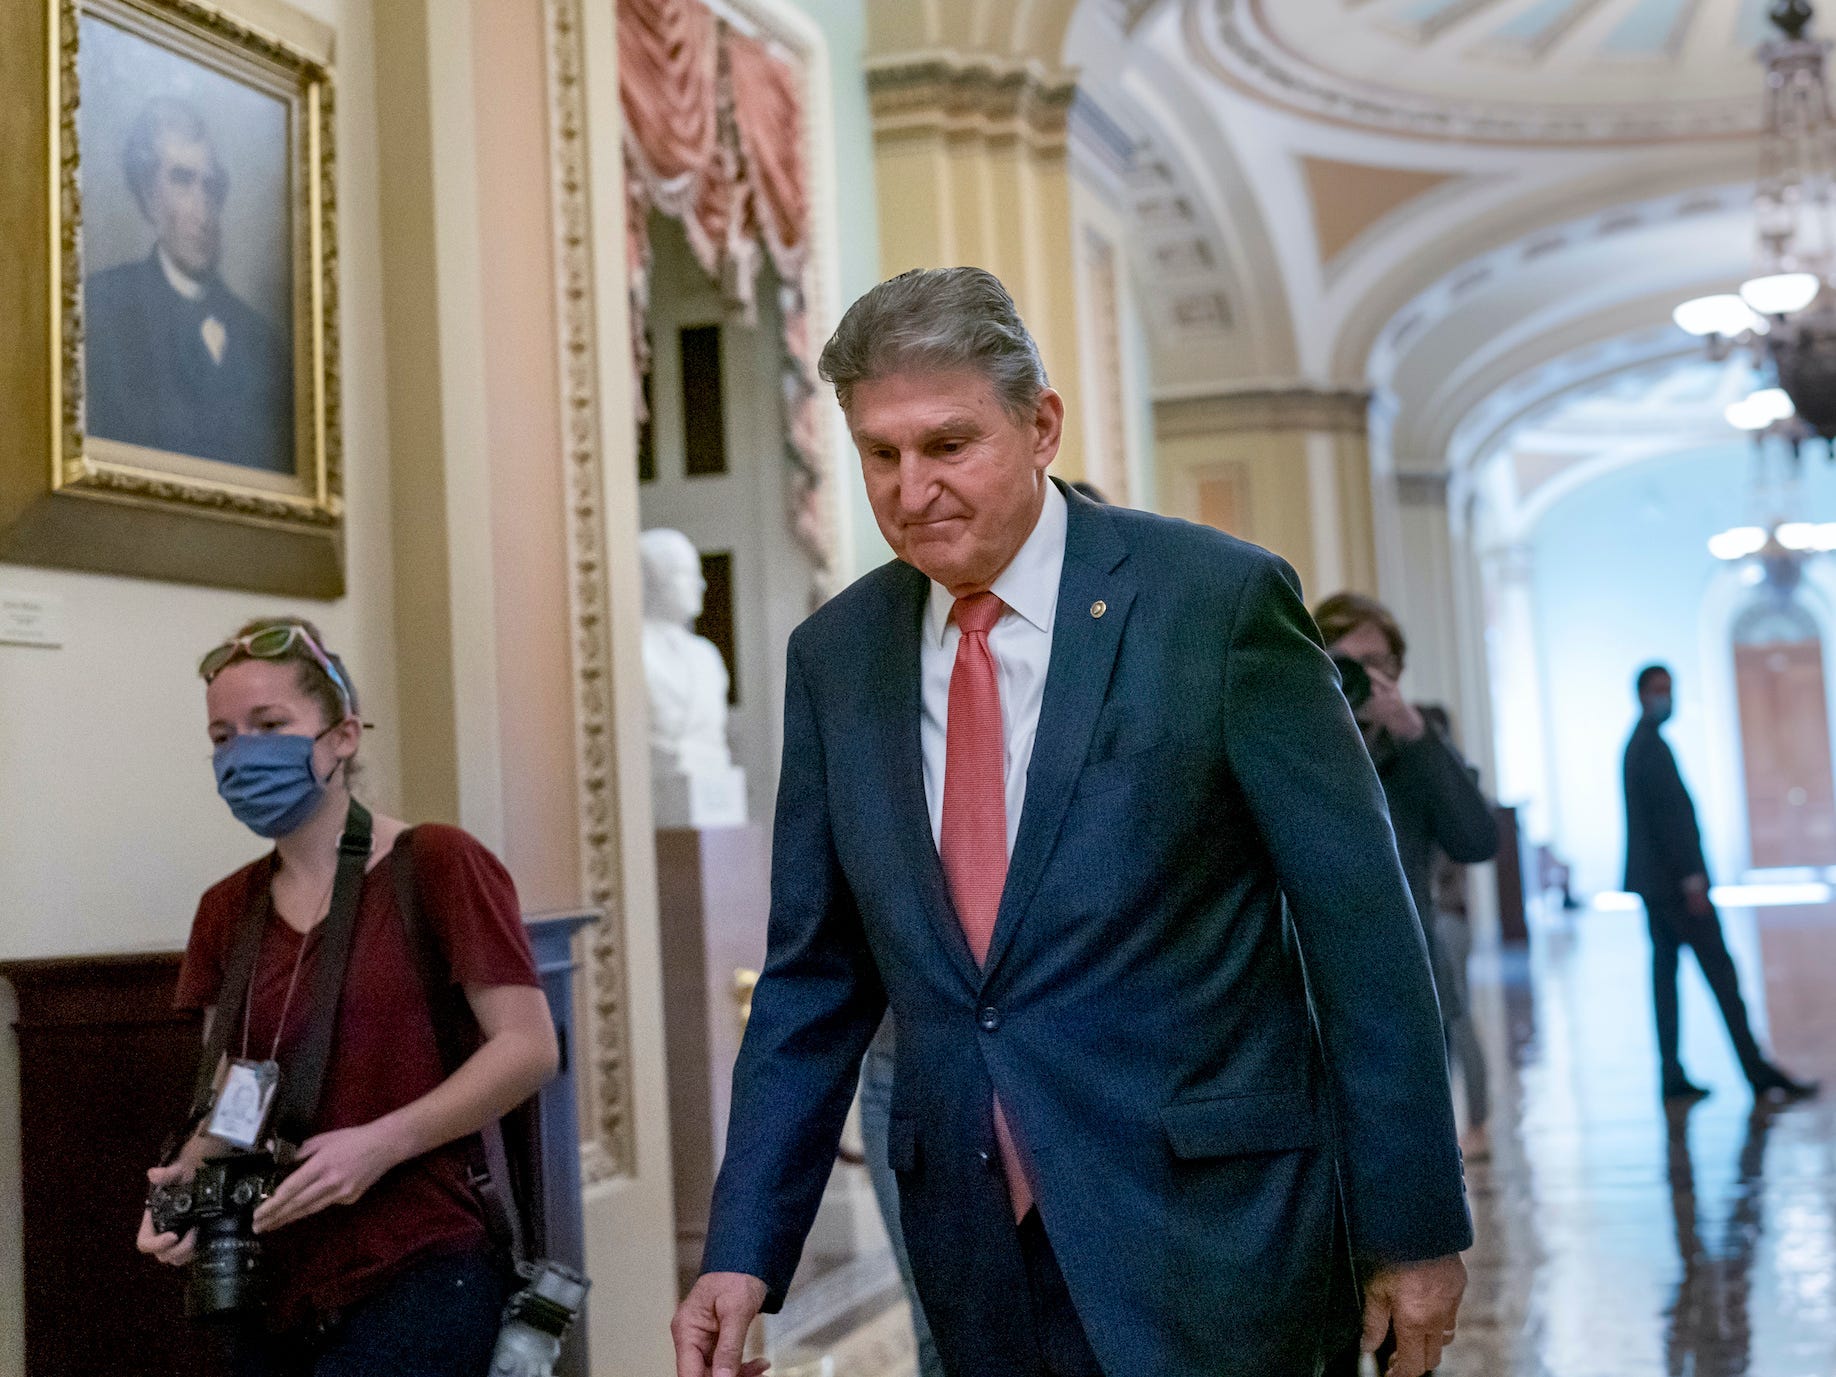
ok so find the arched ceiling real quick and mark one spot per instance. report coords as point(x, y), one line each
point(1468, 351)
point(1496, 71)
point(1585, 430)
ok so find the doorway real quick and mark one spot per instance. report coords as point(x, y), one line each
point(1785, 736)
point(712, 465)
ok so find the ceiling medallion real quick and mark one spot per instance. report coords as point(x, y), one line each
point(1786, 314)
point(1235, 41)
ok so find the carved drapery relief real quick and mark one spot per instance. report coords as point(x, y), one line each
point(716, 138)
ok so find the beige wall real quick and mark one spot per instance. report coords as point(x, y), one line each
point(112, 826)
point(1285, 469)
point(523, 436)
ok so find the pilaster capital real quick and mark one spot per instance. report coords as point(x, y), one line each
point(1422, 487)
point(948, 93)
point(1337, 411)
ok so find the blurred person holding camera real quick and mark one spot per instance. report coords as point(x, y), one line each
point(1441, 818)
point(330, 1200)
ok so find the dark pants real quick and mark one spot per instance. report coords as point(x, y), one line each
point(1064, 1351)
point(876, 1111)
point(1674, 927)
point(438, 1319)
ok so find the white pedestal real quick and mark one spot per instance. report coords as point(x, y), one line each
point(710, 798)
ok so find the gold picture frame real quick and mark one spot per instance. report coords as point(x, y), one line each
point(182, 420)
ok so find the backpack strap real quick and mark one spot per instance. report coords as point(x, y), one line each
point(296, 1108)
point(456, 1032)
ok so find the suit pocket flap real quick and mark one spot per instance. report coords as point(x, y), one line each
point(1240, 1125)
point(902, 1143)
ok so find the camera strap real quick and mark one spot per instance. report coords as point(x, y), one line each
point(334, 955)
point(297, 1103)
point(456, 1032)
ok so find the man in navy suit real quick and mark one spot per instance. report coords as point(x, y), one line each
point(1665, 868)
point(174, 359)
point(1074, 790)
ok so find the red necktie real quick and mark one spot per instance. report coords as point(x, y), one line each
point(974, 835)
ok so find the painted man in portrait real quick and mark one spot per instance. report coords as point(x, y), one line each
point(177, 361)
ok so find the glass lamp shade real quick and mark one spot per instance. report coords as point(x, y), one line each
point(1774, 402)
point(1751, 413)
point(1781, 294)
point(1726, 315)
point(1739, 543)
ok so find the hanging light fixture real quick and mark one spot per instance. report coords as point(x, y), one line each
point(1786, 314)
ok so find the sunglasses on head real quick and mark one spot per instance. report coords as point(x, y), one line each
point(275, 643)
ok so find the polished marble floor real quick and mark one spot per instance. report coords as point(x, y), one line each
point(1618, 1238)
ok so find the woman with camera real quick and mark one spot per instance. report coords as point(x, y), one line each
point(374, 1237)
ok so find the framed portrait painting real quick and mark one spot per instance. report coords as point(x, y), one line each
point(188, 387)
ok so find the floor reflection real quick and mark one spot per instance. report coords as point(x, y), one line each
point(1619, 1238)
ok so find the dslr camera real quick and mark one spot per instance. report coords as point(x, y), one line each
point(1354, 679)
point(226, 1274)
point(537, 1319)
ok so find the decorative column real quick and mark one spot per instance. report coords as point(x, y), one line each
point(1287, 468)
point(971, 169)
point(1516, 673)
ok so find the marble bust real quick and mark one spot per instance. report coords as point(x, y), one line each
point(694, 780)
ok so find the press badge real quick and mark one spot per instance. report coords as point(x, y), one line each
point(244, 1101)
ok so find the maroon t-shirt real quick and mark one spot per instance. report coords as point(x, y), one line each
point(384, 1054)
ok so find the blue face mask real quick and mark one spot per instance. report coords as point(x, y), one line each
point(1658, 710)
point(268, 781)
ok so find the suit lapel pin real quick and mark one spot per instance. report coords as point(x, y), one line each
point(1098, 608)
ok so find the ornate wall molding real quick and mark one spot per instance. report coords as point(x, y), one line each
point(1235, 43)
point(610, 1148)
point(1339, 411)
point(951, 94)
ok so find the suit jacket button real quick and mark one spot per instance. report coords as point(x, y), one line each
point(986, 1158)
point(990, 1019)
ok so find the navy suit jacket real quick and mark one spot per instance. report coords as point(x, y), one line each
point(1204, 863)
point(1663, 839)
point(151, 381)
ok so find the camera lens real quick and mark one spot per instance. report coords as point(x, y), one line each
point(1354, 680)
point(226, 1273)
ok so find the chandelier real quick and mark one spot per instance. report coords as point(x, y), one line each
point(1786, 314)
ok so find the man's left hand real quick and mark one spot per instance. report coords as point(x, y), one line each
point(1420, 1301)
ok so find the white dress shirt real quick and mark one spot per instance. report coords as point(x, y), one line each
point(1021, 643)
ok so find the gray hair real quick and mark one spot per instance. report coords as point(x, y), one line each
point(159, 117)
point(935, 320)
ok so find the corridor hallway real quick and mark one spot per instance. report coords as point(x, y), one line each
point(1621, 1238)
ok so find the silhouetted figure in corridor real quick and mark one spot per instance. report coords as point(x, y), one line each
point(1665, 868)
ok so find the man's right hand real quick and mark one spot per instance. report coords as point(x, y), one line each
point(710, 1326)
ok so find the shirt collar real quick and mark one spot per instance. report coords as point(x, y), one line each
point(181, 281)
point(1029, 584)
